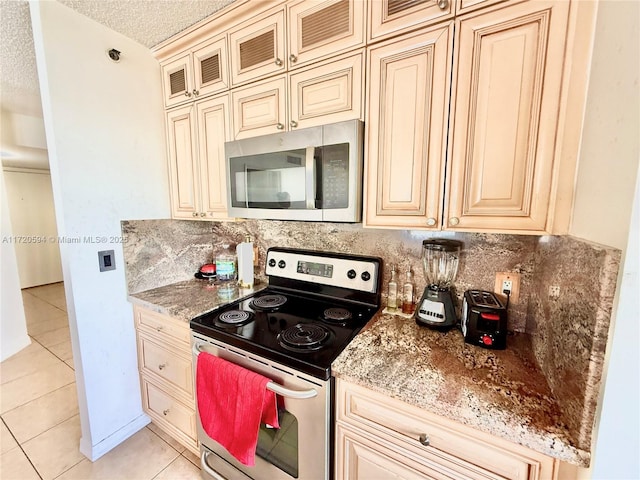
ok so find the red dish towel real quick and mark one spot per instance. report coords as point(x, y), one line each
point(232, 402)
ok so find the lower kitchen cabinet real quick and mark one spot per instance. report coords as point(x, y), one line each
point(166, 375)
point(381, 437)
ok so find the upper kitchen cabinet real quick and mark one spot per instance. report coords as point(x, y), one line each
point(199, 72)
point(406, 135)
point(258, 47)
point(260, 108)
point(392, 17)
point(464, 6)
point(196, 134)
point(323, 28)
point(508, 74)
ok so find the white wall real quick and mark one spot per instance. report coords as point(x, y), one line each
point(606, 187)
point(105, 138)
point(13, 325)
point(33, 218)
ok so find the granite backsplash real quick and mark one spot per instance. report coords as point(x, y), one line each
point(568, 334)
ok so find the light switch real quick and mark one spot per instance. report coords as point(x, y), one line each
point(106, 260)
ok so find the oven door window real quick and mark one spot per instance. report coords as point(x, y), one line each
point(279, 446)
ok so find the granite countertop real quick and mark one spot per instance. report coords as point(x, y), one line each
point(187, 299)
point(500, 392)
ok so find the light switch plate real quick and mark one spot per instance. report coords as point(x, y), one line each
point(106, 260)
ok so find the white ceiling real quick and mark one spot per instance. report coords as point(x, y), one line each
point(148, 22)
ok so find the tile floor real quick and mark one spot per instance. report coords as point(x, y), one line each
point(40, 428)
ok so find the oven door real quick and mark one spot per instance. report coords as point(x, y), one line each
point(300, 448)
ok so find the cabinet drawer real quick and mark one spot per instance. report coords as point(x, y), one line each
point(162, 326)
point(172, 415)
point(169, 365)
point(377, 413)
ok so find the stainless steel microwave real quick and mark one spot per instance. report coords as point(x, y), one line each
point(310, 174)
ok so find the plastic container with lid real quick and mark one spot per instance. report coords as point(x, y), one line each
point(226, 272)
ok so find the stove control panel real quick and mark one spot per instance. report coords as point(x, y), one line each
point(353, 273)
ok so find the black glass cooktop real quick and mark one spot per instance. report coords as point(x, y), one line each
point(304, 332)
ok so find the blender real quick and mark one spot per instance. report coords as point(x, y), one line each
point(440, 262)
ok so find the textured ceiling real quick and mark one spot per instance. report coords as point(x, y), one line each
point(148, 22)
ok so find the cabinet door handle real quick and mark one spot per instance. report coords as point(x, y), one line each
point(293, 58)
point(162, 366)
point(165, 412)
point(431, 221)
point(160, 328)
point(278, 62)
point(280, 126)
point(202, 214)
point(196, 92)
point(293, 124)
point(194, 214)
point(453, 221)
point(443, 4)
point(187, 94)
point(424, 439)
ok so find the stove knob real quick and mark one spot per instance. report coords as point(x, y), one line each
point(366, 276)
point(272, 263)
point(282, 264)
point(487, 340)
point(351, 274)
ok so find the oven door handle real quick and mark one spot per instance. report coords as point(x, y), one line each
point(274, 387)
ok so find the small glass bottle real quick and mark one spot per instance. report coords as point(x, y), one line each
point(392, 297)
point(407, 294)
point(226, 272)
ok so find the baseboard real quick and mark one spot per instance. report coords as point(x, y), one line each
point(94, 452)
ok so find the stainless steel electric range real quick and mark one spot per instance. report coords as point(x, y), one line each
point(291, 332)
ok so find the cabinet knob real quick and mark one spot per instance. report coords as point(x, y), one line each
point(431, 221)
point(203, 214)
point(293, 124)
point(165, 412)
point(453, 221)
point(280, 126)
point(293, 58)
point(443, 4)
point(424, 439)
point(159, 329)
point(278, 62)
point(196, 92)
point(187, 94)
point(162, 366)
point(194, 214)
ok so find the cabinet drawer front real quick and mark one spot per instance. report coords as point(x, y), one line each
point(176, 80)
point(170, 413)
point(168, 365)
point(392, 17)
point(327, 93)
point(259, 109)
point(360, 457)
point(376, 413)
point(163, 326)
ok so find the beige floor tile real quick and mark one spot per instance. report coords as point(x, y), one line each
point(47, 325)
point(53, 337)
point(37, 310)
point(15, 466)
point(195, 459)
point(7, 442)
point(29, 387)
point(141, 457)
point(52, 293)
point(62, 350)
point(167, 438)
point(23, 364)
point(179, 469)
point(56, 450)
point(41, 414)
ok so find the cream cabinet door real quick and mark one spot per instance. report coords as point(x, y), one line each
point(408, 104)
point(464, 6)
point(177, 80)
point(183, 166)
point(322, 28)
point(259, 109)
point(210, 67)
point(393, 17)
point(508, 75)
point(213, 130)
point(258, 48)
point(327, 93)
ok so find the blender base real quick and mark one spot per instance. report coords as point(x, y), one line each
point(436, 310)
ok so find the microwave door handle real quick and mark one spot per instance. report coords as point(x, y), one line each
point(246, 186)
point(274, 387)
point(310, 165)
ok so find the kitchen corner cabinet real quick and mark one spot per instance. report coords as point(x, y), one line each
point(166, 376)
point(381, 437)
point(508, 72)
point(197, 169)
point(406, 136)
point(197, 73)
point(326, 92)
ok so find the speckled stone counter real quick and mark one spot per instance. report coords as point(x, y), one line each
point(503, 393)
point(187, 299)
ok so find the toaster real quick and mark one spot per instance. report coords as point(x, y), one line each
point(484, 320)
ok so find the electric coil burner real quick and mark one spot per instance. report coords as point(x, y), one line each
point(304, 337)
point(336, 315)
point(235, 317)
point(268, 302)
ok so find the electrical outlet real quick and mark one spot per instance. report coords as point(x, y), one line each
point(508, 281)
point(554, 291)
